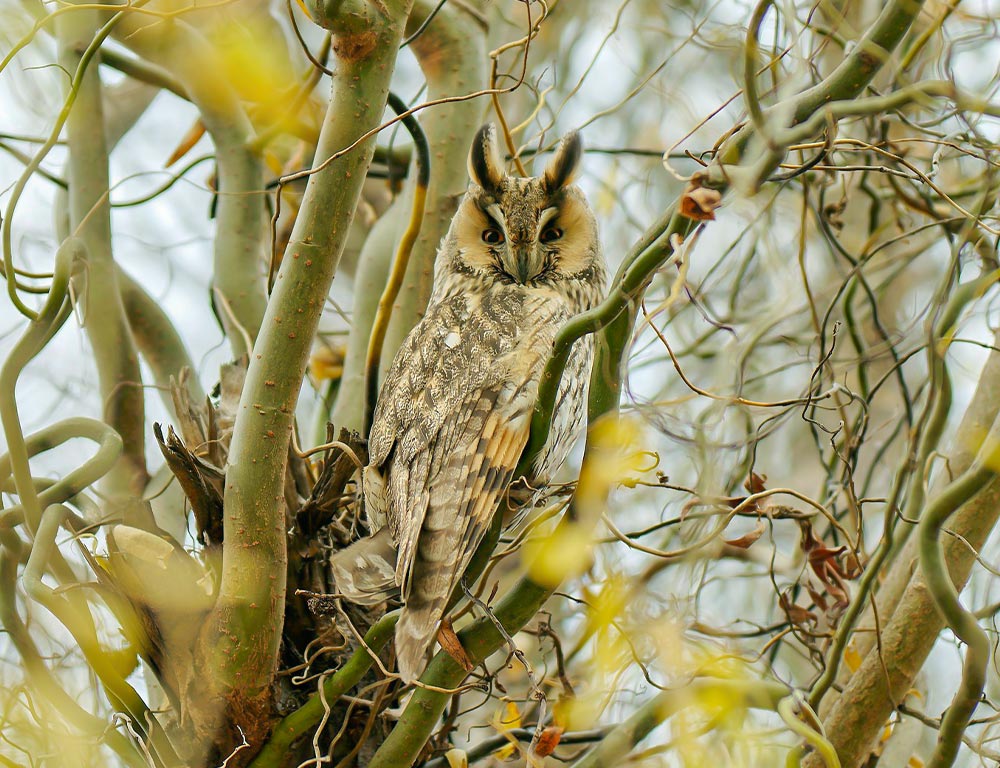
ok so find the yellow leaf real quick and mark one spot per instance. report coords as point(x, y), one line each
point(613, 456)
point(273, 163)
point(194, 134)
point(510, 719)
point(852, 658)
point(553, 559)
point(506, 720)
point(327, 363)
point(457, 758)
point(505, 753)
point(914, 762)
point(574, 714)
point(609, 604)
point(562, 711)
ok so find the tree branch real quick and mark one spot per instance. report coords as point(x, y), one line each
point(246, 623)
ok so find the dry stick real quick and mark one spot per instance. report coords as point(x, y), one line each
point(533, 27)
point(536, 692)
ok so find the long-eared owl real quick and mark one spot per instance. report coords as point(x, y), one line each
point(521, 257)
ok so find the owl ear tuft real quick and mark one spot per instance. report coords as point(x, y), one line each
point(485, 165)
point(564, 163)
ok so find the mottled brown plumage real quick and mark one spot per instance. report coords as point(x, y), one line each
point(521, 257)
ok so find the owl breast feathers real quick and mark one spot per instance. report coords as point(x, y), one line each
point(520, 258)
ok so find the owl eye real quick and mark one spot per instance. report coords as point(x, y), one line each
point(550, 234)
point(492, 236)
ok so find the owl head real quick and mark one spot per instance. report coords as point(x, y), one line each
point(533, 232)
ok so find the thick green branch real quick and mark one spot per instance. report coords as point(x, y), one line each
point(239, 267)
point(247, 619)
point(159, 342)
point(962, 622)
point(104, 316)
point(451, 52)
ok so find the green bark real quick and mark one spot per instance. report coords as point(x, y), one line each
point(245, 627)
point(117, 362)
point(451, 52)
point(239, 266)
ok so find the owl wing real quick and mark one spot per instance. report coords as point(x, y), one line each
point(451, 424)
point(471, 464)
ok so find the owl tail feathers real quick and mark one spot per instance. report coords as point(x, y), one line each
point(415, 634)
point(365, 572)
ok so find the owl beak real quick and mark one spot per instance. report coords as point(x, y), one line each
point(519, 262)
point(522, 258)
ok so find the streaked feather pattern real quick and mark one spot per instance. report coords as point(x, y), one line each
point(454, 409)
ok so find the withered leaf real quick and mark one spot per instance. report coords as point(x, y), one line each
point(547, 741)
point(195, 132)
point(755, 483)
point(796, 613)
point(851, 565)
point(825, 563)
point(744, 541)
point(819, 600)
point(699, 202)
point(453, 646)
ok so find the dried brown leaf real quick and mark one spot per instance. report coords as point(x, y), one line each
point(699, 202)
point(548, 741)
point(744, 541)
point(756, 483)
point(796, 613)
point(453, 646)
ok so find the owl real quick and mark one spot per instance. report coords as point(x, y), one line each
point(521, 257)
